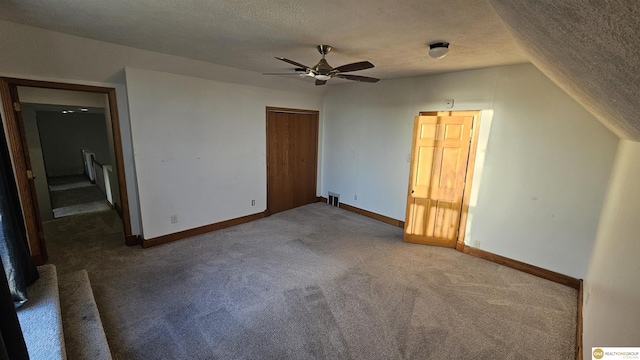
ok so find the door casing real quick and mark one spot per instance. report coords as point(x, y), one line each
point(19, 155)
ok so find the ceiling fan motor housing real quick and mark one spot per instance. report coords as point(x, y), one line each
point(322, 71)
point(322, 67)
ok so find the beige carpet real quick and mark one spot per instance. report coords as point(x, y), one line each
point(315, 282)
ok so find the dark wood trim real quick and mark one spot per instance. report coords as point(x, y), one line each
point(133, 240)
point(20, 163)
point(460, 246)
point(19, 159)
point(201, 230)
point(367, 213)
point(56, 85)
point(117, 147)
point(579, 349)
point(524, 267)
point(372, 215)
point(290, 110)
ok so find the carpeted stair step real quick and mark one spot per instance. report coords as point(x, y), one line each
point(83, 331)
point(40, 318)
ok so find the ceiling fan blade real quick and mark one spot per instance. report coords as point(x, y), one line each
point(358, 78)
point(292, 62)
point(362, 65)
point(320, 82)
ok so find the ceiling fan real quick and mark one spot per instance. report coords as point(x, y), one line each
point(322, 71)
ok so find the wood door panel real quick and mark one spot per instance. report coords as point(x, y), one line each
point(437, 178)
point(449, 175)
point(426, 155)
point(292, 150)
point(434, 218)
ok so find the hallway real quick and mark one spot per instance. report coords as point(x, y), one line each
point(75, 194)
point(84, 223)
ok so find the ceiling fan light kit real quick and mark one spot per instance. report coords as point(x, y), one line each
point(322, 71)
point(438, 50)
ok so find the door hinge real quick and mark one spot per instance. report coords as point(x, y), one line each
point(16, 106)
point(30, 175)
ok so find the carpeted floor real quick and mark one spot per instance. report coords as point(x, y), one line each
point(316, 282)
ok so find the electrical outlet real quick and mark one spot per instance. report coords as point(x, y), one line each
point(253, 203)
point(476, 244)
point(174, 219)
point(355, 197)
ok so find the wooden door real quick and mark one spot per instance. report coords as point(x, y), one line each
point(292, 158)
point(438, 172)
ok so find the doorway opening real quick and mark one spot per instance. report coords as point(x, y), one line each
point(65, 143)
point(442, 161)
point(292, 158)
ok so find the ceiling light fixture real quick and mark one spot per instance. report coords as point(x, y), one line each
point(84, 109)
point(438, 50)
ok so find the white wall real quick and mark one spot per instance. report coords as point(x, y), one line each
point(52, 56)
point(611, 311)
point(200, 147)
point(542, 168)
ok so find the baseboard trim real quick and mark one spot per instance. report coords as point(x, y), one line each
point(146, 243)
point(524, 267)
point(372, 215)
point(132, 240)
point(366, 213)
point(579, 350)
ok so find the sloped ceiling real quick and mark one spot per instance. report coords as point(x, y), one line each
point(590, 48)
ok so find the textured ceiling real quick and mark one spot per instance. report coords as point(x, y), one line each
point(248, 34)
point(589, 48)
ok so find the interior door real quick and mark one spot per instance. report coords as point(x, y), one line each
point(292, 158)
point(437, 177)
